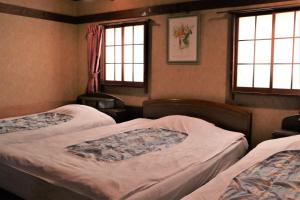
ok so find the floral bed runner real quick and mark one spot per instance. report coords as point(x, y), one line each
point(277, 177)
point(33, 122)
point(123, 146)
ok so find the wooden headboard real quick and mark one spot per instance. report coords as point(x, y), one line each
point(225, 116)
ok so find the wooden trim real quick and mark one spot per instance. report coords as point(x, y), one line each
point(270, 90)
point(283, 92)
point(122, 83)
point(254, 52)
point(130, 13)
point(169, 8)
point(293, 50)
point(35, 13)
point(265, 10)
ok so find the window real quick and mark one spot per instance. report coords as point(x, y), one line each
point(126, 54)
point(267, 53)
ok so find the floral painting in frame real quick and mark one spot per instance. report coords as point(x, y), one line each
point(182, 40)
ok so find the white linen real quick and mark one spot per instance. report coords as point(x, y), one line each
point(215, 188)
point(127, 179)
point(84, 117)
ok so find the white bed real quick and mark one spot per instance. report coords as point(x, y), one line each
point(79, 117)
point(214, 189)
point(49, 171)
point(44, 168)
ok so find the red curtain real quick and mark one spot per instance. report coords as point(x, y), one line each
point(94, 42)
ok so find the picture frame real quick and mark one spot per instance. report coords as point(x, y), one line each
point(182, 37)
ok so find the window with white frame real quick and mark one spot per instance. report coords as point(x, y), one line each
point(267, 53)
point(126, 54)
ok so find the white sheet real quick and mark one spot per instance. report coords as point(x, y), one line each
point(215, 188)
point(84, 117)
point(127, 179)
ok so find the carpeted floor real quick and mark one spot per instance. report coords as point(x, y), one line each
point(4, 195)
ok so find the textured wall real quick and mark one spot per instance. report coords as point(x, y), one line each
point(67, 7)
point(208, 80)
point(38, 64)
point(43, 63)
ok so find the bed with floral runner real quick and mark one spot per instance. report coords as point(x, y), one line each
point(163, 158)
point(62, 120)
point(269, 171)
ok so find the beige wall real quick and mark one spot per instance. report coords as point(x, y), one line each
point(38, 62)
point(67, 7)
point(208, 80)
point(43, 63)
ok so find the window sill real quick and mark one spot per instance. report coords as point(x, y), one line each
point(123, 84)
point(124, 90)
point(260, 100)
point(266, 91)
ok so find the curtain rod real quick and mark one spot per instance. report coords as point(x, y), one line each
point(270, 8)
point(124, 21)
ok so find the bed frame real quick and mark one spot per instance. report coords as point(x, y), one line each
point(225, 116)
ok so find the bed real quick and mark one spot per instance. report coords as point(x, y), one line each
point(62, 120)
point(177, 153)
point(269, 171)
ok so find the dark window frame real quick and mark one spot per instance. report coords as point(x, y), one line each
point(270, 90)
point(123, 83)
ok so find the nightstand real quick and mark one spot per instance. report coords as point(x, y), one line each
point(283, 133)
point(108, 104)
point(289, 126)
point(119, 114)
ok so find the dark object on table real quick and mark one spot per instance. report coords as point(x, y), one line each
point(109, 104)
point(290, 126)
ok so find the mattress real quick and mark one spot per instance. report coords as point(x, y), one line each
point(165, 174)
point(38, 126)
point(214, 189)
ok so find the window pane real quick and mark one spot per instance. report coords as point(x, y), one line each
point(264, 27)
point(118, 57)
point(118, 68)
point(245, 52)
point(128, 53)
point(139, 34)
point(283, 50)
point(244, 75)
point(282, 76)
point(110, 54)
point(262, 76)
point(263, 51)
point(297, 31)
point(138, 53)
point(284, 24)
point(128, 34)
point(296, 77)
point(109, 35)
point(118, 35)
point(109, 72)
point(297, 51)
point(246, 28)
point(138, 73)
point(127, 72)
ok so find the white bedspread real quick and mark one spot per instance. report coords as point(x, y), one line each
point(216, 187)
point(84, 117)
point(134, 178)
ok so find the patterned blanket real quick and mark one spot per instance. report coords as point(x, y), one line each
point(277, 177)
point(33, 122)
point(123, 146)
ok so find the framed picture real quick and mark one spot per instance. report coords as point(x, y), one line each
point(182, 36)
